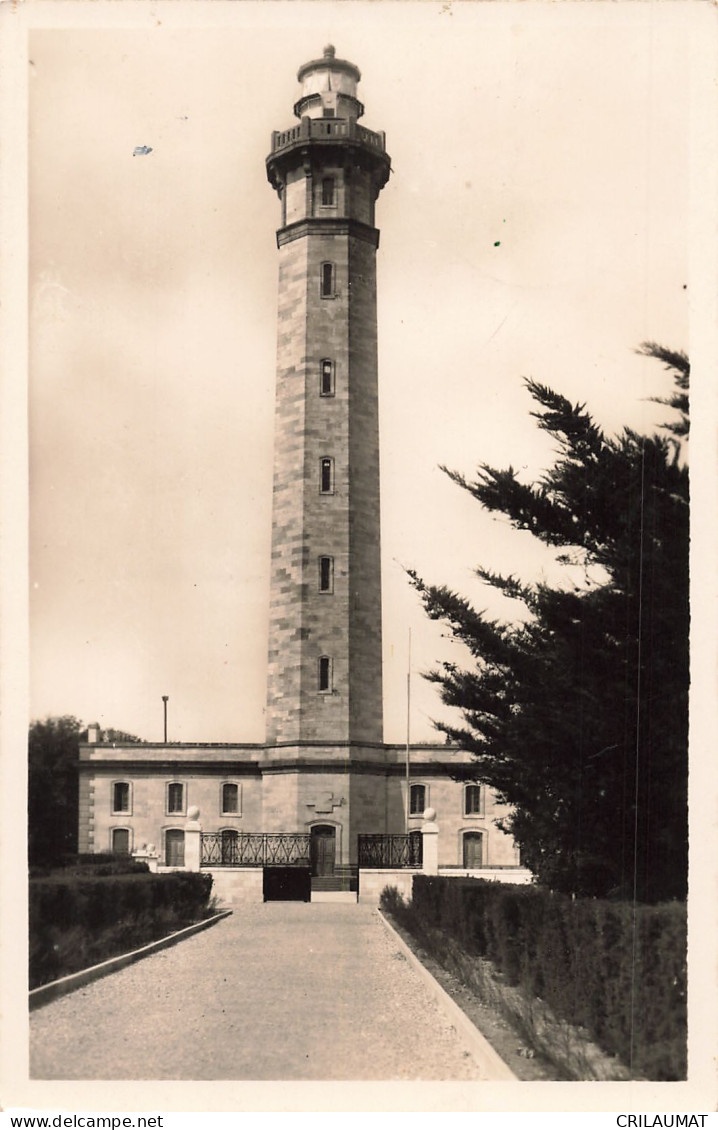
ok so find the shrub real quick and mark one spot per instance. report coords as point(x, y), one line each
point(97, 863)
point(79, 920)
point(616, 969)
point(391, 900)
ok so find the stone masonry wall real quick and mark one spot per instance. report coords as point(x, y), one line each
point(325, 716)
point(354, 798)
point(148, 819)
point(364, 522)
point(287, 566)
point(343, 624)
point(447, 798)
point(232, 885)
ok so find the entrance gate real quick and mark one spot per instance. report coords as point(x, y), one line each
point(286, 884)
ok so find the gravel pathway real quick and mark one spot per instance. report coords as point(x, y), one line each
point(277, 991)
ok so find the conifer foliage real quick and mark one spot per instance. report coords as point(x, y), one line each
point(578, 716)
point(53, 759)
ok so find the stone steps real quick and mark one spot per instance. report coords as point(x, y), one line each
point(333, 896)
point(336, 882)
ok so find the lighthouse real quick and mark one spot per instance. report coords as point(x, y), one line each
point(324, 681)
point(323, 796)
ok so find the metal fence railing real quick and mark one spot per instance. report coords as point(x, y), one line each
point(378, 850)
point(254, 849)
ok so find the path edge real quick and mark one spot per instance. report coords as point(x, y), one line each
point(43, 994)
point(492, 1066)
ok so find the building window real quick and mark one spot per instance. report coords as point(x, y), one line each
point(328, 196)
point(417, 800)
point(174, 847)
point(328, 113)
point(326, 574)
point(327, 288)
point(175, 798)
point(325, 674)
point(230, 799)
point(120, 796)
point(230, 845)
point(326, 383)
point(326, 475)
point(472, 800)
point(473, 849)
point(120, 842)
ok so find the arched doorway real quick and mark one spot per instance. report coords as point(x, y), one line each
point(323, 849)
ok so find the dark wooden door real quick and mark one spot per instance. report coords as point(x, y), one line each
point(230, 846)
point(174, 848)
point(120, 841)
point(472, 849)
point(323, 849)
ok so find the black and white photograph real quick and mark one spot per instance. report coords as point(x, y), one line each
point(359, 472)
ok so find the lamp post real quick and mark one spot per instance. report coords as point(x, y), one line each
point(164, 700)
point(408, 739)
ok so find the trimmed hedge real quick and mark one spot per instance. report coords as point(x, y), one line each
point(98, 863)
point(616, 969)
point(77, 920)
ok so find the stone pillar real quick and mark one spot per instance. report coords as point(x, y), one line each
point(430, 843)
point(192, 840)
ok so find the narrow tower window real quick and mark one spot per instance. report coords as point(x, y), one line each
point(325, 673)
point(326, 386)
point(328, 196)
point(326, 475)
point(326, 574)
point(327, 280)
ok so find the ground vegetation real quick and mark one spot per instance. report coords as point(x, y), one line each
point(83, 915)
point(596, 987)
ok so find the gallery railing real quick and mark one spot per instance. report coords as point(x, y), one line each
point(378, 850)
point(255, 849)
point(320, 128)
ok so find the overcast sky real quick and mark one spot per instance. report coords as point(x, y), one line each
point(535, 225)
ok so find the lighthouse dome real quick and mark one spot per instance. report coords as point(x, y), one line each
point(329, 87)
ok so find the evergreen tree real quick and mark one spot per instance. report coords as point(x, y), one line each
point(578, 717)
point(52, 788)
point(53, 756)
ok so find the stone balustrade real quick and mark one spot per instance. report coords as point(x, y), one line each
point(317, 129)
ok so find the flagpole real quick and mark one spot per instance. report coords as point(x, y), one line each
point(408, 741)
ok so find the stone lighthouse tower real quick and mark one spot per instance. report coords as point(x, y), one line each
point(324, 697)
point(323, 789)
